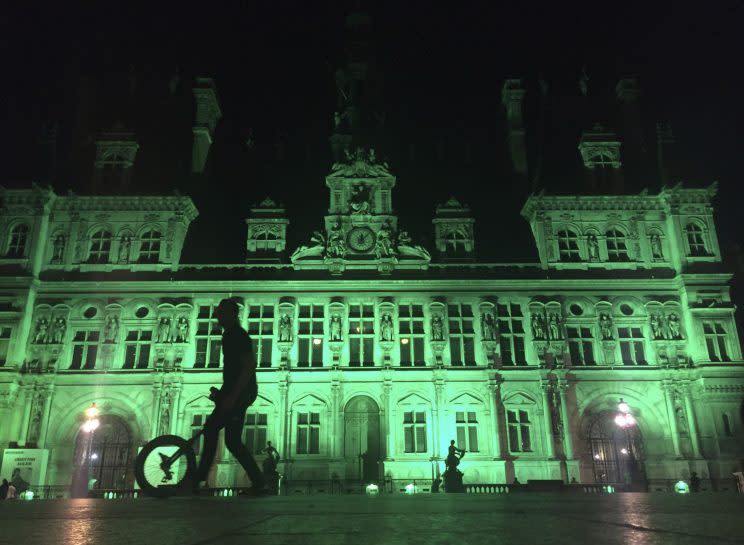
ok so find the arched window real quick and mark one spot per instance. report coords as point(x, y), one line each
point(100, 247)
point(149, 247)
point(17, 240)
point(455, 242)
point(696, 240)
point(568, 246)
point(265, 241)
point(617, 250)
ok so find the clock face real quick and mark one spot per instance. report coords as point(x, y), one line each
point(361, 239)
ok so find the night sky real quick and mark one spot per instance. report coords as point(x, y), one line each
point(439, 67)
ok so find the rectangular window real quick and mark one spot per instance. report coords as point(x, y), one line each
point(414, 431)
point(197, 423)
point(519, 426)
point(261, 330)
point(631, 345)
point(137, 350)
point(310, 336)
point(467, 430)
point(361, 335)
point(5, 332)
point(254, 432)
point(308, 433)
point(461, 335)
point(84, 350)
point(208, 339)
point(580, 345)
point(715, 341)
point(511, 334)
point(411, 335)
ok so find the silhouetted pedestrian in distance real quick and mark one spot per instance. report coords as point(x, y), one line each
point(694, 482)
point(4, 489)
point(239, 391)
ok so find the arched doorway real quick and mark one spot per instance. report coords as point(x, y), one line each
point(107, 455)
point(362, 439)
point(616, 453)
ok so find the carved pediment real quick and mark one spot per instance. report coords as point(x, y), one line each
point(466, 399)
point(518, 398)
point(413, 399)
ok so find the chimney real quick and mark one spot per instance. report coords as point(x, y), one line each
point(627, 93)
point(208, 113)
point(512, 97)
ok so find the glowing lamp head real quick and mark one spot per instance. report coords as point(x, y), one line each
point(410, 488)
point(404, 341)
point(623, 451)
point(94, 456)
point(623, 407)
point(620, 420)
point(681, 487)
point(317, 342)
point(372, 490)
point(91, 412)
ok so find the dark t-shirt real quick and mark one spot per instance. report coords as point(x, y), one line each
point(235, 343)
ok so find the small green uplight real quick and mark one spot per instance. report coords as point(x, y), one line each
point(609, 489)
point(28, 495)
point(373, 490)
point(410, 488)
point(681, 487)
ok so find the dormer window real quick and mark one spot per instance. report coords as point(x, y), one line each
point(100, 247)
point(265, 241)
point(568, 246)
point(17, 241)
point(456, 242)
point(617, 250)
point(696, 240)
point(150, 247)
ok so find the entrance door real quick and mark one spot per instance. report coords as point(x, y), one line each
point(362, 439)
point(617, 456)
point(107, 455)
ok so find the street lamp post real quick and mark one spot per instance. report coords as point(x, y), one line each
point(625, 420)
point(82, 475)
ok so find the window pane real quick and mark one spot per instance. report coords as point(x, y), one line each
point(513, 439)
point(302, 440)
point(461, 437)
point(420, 439)
point(473, 438)
point(408, 433)
point(314, 440)
point(526, 442)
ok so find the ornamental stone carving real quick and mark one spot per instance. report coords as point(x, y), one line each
point(605, 326)
point(386, 327)
point(285, 328)
point(164, 327)
point(437, 328)
point(489, 328)
point(336, 328)
point(111, 329)
point(41, 333)
point(182, 330)
point(59, 328)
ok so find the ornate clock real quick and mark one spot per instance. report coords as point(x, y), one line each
point(361, 239)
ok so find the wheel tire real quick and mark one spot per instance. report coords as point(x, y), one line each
point(155, 491)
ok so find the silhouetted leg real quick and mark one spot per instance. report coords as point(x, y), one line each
point(211, 433)
point(234, 443)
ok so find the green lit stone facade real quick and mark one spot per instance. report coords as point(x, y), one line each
point(373, 351)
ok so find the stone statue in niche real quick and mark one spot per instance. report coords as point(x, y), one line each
point(359, 200)
point(656, 251)
point(656, 326)
point(538, 326)
point(60, 328)
point(386, 327)
point(554, 327)
point(593, 246)
point(165, 403)
point(674, 326)
point(681, 419)
point(336, 246)
point(605, 326)
point(285, 328)
point(37, 411)
point(58, 249)
point(336, 327)
point(182, 330)
point(125, 245)
point(488, 327)
point(437, 328)
point(383, 246)
point(111, 329)
point(164, 330)
point(41, 335)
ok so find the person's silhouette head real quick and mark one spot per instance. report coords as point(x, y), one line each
point(452, 442)
point(227, 312)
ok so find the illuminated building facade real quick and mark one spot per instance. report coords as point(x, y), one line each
point(374, 351)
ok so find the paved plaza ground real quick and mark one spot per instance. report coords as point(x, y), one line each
point(520, 519)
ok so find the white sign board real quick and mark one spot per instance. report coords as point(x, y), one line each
point(25, 467)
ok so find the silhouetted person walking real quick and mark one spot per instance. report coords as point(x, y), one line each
point(239, 391)
point(4, 489)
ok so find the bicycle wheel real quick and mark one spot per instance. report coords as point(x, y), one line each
point(156, 474)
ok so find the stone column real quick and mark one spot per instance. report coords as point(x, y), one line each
point(692, 425)
point(437, 417)
point(26, 401)
point(155, 410)
point(547, 425)
point(566, 422)
point(672, 420)
point(49, 391)
point(282, 434)
point(493, 392)
point(386, 423)
point(335, 418)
